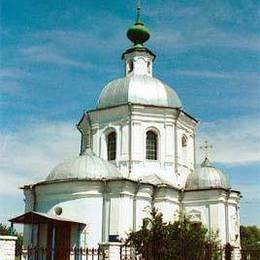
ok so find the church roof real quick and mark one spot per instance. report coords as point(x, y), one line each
point(156, 180)
point(84, 166)
point(207, 176)
point(138, 89)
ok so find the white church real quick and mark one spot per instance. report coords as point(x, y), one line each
point(137, 152)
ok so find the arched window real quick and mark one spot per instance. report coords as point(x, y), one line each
point(149, 66)
point(151, 145)
point(184, 144)
point(111, 146)
point(130, 66)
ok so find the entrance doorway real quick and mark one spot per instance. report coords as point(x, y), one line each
point(58, 244)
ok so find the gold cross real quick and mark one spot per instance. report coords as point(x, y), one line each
point(206, 148)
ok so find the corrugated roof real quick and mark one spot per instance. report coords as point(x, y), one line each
point(138, 89)
point(207, 176)
point(34, 217)
point(84, 166)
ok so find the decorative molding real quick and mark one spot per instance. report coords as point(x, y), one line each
point(29, 199)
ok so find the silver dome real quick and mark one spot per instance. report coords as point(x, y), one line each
point(138, 89)
point(207, 176)
point(85, 166)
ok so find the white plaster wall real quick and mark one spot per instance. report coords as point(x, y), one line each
point(29, 206)
point(233, 224)
point(218, 220)
point(131, 127)
point(143, 204)
point(7, 247)
point(143, 207)
point(140, 63)
point(168, 209)
point(166, 201)
point(212, 205)
point(128, 203)
point(125, 215)
point(114, 215)
point(79, 202)
point(169, 143)
point(185, 156)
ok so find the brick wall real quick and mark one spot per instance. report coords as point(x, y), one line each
point(7, 247)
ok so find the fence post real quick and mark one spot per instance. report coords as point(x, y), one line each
point(112, 250)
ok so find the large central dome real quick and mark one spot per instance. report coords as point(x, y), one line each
point(138, 89)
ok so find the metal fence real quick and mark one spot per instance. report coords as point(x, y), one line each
point(129, 253)
point(40, 253)
point(224, 253)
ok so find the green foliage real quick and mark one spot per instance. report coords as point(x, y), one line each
point(4, 230)
point(250, 237)
point(7, 231)
point(182, 239)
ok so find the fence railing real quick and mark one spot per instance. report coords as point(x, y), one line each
point(129, 253)
point(40, 253)
point(227, 253)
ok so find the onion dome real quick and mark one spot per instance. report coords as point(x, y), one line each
point(207, 176)
point(84, 166)
point(138, 89)
point(138, 33)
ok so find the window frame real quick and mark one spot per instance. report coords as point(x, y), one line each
point(111, 146)
point(184, 141)
point(130, 66)
point(153, 153)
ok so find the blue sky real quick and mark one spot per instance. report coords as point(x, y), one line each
point(56, 56)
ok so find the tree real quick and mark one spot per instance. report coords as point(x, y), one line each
point(4, 230)
point(8, 231)
point(183, 239)
point(250, 237)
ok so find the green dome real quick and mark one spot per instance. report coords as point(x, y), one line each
point(138, 33)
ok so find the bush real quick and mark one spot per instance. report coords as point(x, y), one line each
point(182, 239)
point(250, 237)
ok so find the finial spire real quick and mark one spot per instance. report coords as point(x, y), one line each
point(138, 11)
point(206, 148)
point(138, 33)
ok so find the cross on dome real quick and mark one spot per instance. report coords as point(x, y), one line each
point(206, 148)
point(138, 10)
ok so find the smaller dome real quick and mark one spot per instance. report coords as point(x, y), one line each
point(207, 176)
point(138, 34)
point(84, 166)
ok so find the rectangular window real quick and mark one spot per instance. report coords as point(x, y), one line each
point(111, 146)
point(151, 146)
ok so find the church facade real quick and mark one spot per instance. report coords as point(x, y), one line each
point(137, 152)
